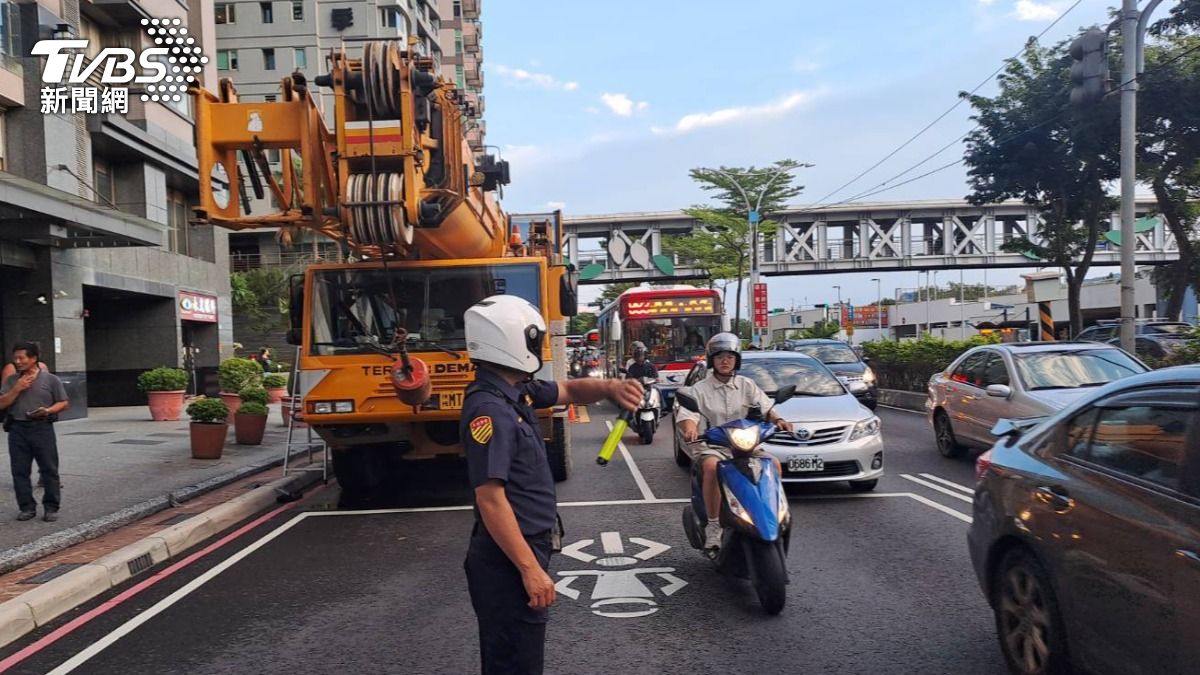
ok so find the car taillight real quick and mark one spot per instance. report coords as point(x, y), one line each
point(982, 465)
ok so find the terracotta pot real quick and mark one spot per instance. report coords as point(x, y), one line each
point(249, 429)
point(166, 406)
point(233, 402)
point(285, 408)
point(276, 394)
point(208, 439)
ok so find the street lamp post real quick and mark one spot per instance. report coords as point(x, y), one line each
point(879, 304)
point(839, 308)
point(752, 217)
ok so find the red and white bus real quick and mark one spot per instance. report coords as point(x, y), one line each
point(674, 322)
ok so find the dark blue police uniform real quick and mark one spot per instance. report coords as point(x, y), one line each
point(503, 441)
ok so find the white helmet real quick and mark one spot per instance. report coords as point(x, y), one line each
point(507, 331)
point(724, 342)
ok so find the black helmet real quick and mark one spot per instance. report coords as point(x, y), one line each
point(724, 342)
point(639, 348)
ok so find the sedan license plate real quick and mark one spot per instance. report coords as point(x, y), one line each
point(450, 401)
point(805, 463)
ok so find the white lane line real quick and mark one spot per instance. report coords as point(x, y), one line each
point(611, 543)
point(627, 502)
point(938, 488)
point(922, 413)
point(375, 512)
point(944, 509)
point(948, 483)
point(633, 468)
point(864, 495)
point(129, 626)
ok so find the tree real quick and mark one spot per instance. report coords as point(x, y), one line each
point(581, 323)
point(741, 328)
point(722, 246)
point(1169, 143)
point(821, 330)
point(611, 292)
point(1030, 145)
point(260, 299)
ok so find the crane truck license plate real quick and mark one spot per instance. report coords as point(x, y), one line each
point(452, 400)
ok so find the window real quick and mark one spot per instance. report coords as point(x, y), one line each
point(970, 370)
point(225, 13)
point(227, 59)
point(389, 17)
point(268, 59)
point(994, 370)
point(458, 9)
point(458, 42)
point(301, 58)
point(460, 77)
point(177, 222)
point(268, 12)
point(297, 10)
point(3, 142)
point(103, 183)
point(1071, 369)
point(1142, 441)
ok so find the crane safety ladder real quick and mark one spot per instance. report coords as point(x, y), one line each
point(308, 443)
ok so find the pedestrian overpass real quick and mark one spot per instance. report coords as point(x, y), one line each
point(867, 237)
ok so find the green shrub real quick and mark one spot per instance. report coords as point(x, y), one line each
point(234, 374)
point(1188, 352)
point(252, 408)
point(163, 379)
point(253, 394)
point(274, 381)
point(208, 410)
point(909, 365)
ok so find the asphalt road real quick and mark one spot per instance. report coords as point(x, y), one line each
point(880, 583)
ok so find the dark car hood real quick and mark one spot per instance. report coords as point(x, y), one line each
point(855, 368)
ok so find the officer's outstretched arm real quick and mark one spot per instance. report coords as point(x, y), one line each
point(625, 393)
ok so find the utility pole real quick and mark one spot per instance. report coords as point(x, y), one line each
point(879, 305)
point(962, 307)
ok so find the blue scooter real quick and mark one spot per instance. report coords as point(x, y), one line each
point(754, 508)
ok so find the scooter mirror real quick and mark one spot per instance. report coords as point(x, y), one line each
point(687, 402)
point(785, 393)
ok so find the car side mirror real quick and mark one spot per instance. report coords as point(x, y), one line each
point(295, 309)
point(1010, 427)
point(687, 402)
point(568, 295)
point(785, 393)
point(866, 360)
point(999, 390)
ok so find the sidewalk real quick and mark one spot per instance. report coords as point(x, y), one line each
point(117, 466)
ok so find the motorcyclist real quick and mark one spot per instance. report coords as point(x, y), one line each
point(722, 396)
point(640, 367)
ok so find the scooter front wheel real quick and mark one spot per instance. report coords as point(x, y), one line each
point(646, 433)
point(768, 574)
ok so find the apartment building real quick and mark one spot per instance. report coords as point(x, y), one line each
point(98, 262)
point(461, 37)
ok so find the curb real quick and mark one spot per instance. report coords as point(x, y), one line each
point(32, 609)
point(19, 556)
point(906, 400)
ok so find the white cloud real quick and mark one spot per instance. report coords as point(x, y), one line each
point(801, 65)
point(621, 105)
point(694, 121)
point(559, 206)
point(1030, 10)
point(525, 77)
point(986, 3)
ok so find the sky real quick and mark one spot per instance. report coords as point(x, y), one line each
point(604, 107)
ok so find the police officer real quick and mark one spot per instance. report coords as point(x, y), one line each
point(515, 514)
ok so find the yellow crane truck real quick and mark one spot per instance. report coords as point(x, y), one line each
point(383, 364)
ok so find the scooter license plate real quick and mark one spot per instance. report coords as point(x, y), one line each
point(805, 463)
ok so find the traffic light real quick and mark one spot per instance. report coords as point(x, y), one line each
point(1089, 72)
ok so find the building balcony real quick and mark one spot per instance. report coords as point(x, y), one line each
point(470, 10)
point(241, 262)
point(471, 42)
point(474, 75)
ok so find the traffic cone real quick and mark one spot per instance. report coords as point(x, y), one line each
point(572, 416)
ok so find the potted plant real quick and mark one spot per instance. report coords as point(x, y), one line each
point(250, 423)
point(234, 374)
point(165, 389)
point(208, 428)
point(276, 386)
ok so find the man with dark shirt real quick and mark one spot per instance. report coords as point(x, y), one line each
point(33, 398)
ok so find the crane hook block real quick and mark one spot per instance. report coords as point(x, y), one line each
point(412, 382)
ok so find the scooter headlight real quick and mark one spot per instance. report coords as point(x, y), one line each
point(744, 440)
point(868, 427)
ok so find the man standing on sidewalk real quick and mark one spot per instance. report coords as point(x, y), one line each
point(33, 398)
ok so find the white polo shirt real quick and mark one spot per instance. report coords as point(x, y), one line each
point(722, 402)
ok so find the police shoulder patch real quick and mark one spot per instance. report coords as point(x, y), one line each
point(481, 429)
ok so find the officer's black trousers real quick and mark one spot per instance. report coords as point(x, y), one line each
point(29, 442)
point(512, 636)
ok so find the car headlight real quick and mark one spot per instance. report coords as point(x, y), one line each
point(736, 507)
point(343, 406)
point(744, 440)
point(869, 376)
point(322, 407)
point(868, 427)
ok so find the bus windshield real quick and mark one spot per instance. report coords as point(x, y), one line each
point(353, 306)
point(674, 339)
